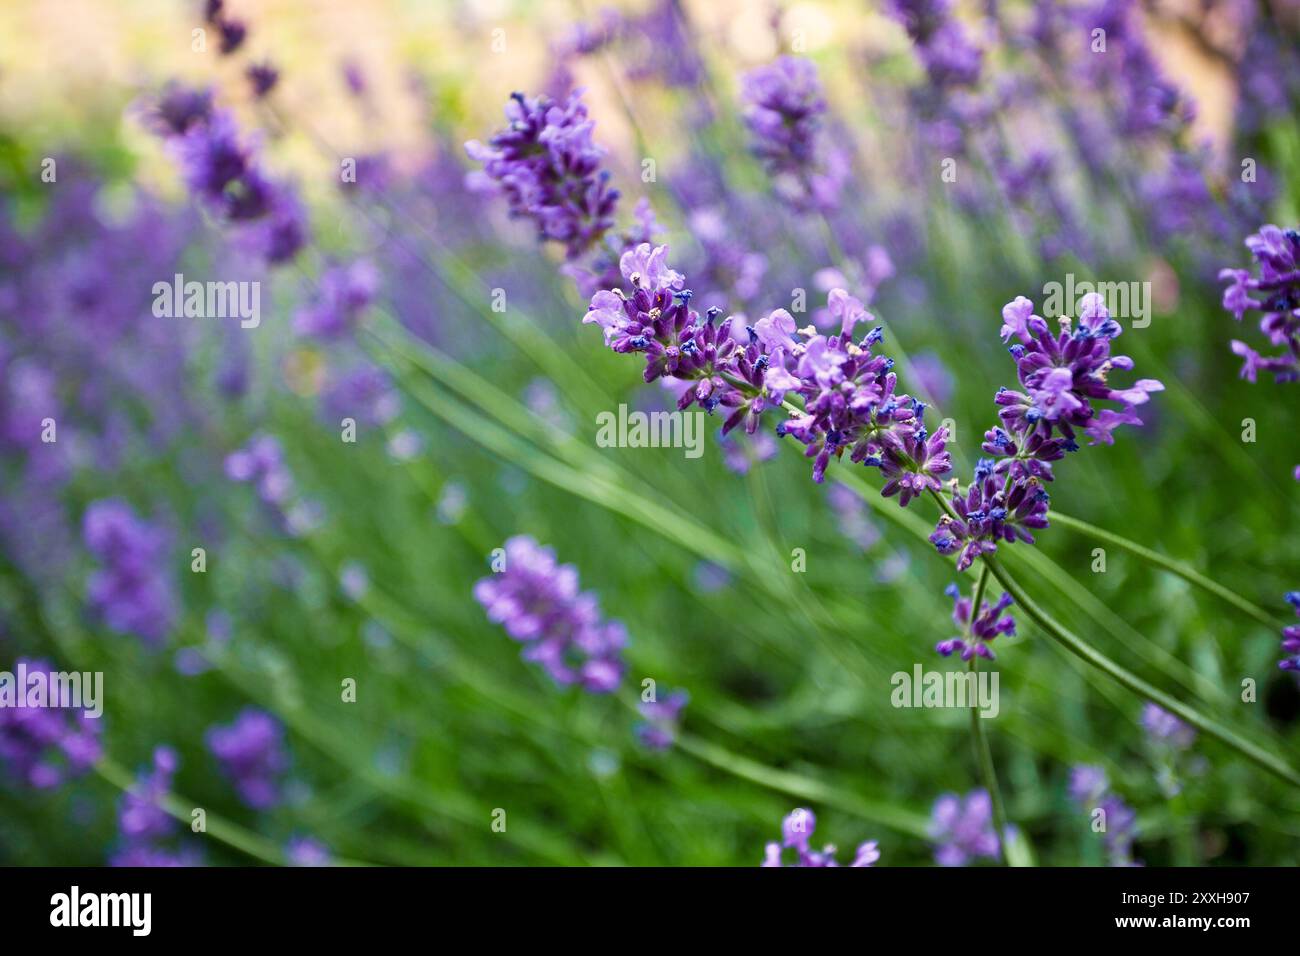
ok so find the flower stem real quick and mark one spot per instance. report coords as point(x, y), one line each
point(983, 755)
point(1184, 571)
point(1090, 655)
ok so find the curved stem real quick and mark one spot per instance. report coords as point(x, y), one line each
point(1090, 655)
point(1077, 646)
point(1184, 571)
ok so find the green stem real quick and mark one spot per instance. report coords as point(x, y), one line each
point(983, 755)
point(1077, 646)
point(1090, 655)
point(1184, 571)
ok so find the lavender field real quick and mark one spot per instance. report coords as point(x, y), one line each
point(670, 433)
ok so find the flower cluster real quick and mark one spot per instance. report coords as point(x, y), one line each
point(223, 173)
point(796, 832)
point(948, 55)
point(251, 753)
point(784, 108)
point(1061, 377)
point(538, 602)
point(1275, 292)
point(976, 635)
point(232, 32)
point(850, 397)
point(1291, 638)
point(1116, 820)
point(143, 822)
point(42, 747)
point(549, 169)
point(962, 828)
point(131, 592)
point(658, 731)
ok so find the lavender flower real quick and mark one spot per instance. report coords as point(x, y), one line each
point(131, 592)
point(221, 169)
point(784, 110)
point(342, 296)
point(1291, 633)
point(251, 753)
point(1117, 822)
point(262, 77)
point(1087, 783)
point(1276, 293)
point(261, 462)
point(850, 401)
point(549, 169)
point(975, 636)
point(306, 851)
point(962, 828)
point(1062, 376)
point(1166, 730)
point(659, 729)
point(796, 832)
point(949, 57)
point(990, 512)
point(44, 747)
point(537, 601)
point(143, 822)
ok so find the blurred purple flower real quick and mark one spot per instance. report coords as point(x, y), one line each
point(252, 755)
point(537, 601)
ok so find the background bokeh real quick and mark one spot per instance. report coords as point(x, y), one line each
point(481, 425)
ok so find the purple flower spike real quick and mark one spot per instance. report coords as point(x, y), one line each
point(251, 753)
point(796, 834)
point(1291, 633)
point(131, 592)
point(784, 110)
point(538, 602)
point(143, 822)
point(975, 637)
point(962, 828)
point(549, 169)
point(44, 747)
point(1090, 789)
point(662, 716)
point(1274, 292)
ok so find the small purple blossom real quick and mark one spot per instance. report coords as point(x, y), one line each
point(658, 729)
point(143, 822)
point(343, 294)
point(1291, 633)
point(1275, 292)
point(1164, 729)
point(42, 747)
point(251, 753)
point(796, 833)
point(962, 828)
point(131, 592)
point(1107, 812)
point(975, 636)
point(537, 601)
point(261, 463)
point(307, 851)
